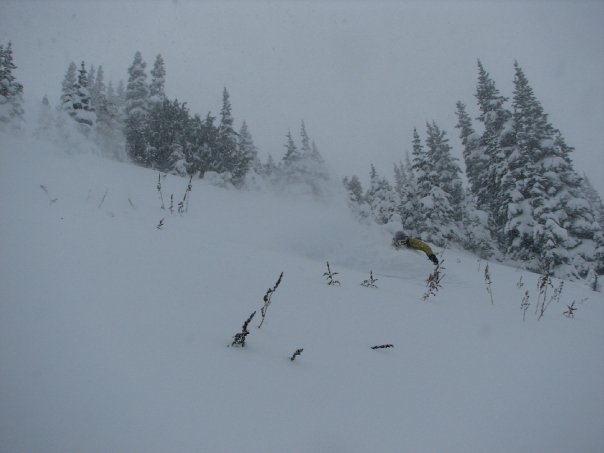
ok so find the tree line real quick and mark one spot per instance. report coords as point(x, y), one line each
point(524, 203)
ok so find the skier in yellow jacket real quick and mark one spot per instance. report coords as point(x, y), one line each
point(401, 240)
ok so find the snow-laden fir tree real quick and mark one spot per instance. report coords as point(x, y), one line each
point(168, 136)
point(224, 159)
point(158, 81)
point(381, 198)
point(84, 112)
point(11, 91)
point(406, 188)
point(496, 143)
point(68, 90)
point(475, 160)
point(594, 199)
point(439, 192)
point(304, 169)
point(247, 156)
point(136, 110)
point(551, 225)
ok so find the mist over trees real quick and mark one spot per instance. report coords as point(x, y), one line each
point(524, 203)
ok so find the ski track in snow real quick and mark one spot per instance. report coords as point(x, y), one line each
point(115, 335)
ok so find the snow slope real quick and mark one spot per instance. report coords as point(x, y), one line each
point(114, 335)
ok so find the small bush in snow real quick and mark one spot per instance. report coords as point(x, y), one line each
point(570, 310)
point(50, 199)
point(520, 283)
point(172, 203)
point(433, 282)
point(592, 280)
point(161, 195)
point(488, 281)
point(183, 206)
point(330, 276)
point(267, 299)
point(239, 337)
point(160, 224)
point(370, 283)
point(103, 199)
point(296, 354)
point(525, 304)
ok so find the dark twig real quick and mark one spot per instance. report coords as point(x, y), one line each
point(267, 299)
point(296, 354)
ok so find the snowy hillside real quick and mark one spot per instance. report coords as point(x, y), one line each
point(115, 334)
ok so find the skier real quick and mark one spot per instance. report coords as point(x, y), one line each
point(401, 240)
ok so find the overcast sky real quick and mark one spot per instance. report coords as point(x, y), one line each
point(361, 74)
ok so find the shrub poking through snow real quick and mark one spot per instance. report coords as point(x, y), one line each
point(331, 281)
point(525, 304)
point(570, 310)
point(239, 337)
point(543, 284)
point(161, 195)
point(382, 346)
point(520, 283)
point(296, 354)
point(160, 224)
point(183, 206)
point(488, 281)
point(171, 203)
point(267, 299)
point(433, 282)
point(50, 199)
point(370, 283)
point(103, 199)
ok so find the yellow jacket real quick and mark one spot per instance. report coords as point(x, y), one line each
point(420, 245)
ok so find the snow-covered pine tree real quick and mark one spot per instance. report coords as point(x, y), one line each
point(381, 198)
point(136, 111)
point(356, 198)
point(496, 143)
point(441, 191)
point(84, 113)
point(92, 86)
point(408, 200)
point(158, 81)
point(68, 90)
point(225, 158)
point(594, 199)
point(109, 134)
point(247, 155)
point(11, 91)
point(475, 161)
point(565, 236)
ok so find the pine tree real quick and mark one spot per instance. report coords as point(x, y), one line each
point(158, 81)
point(225, 159)
point(594, 199)
point(553, 223)
point(381, 198)
point(247, 154)
point(496, 143)
point(11, 91)
point(475, 161)
point(68, 90)
point(136, 111)
point(83, 110)
point(356, 198)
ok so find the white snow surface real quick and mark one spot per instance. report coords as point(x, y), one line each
point(115, 335)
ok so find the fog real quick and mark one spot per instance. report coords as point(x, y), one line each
point(361, 74)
